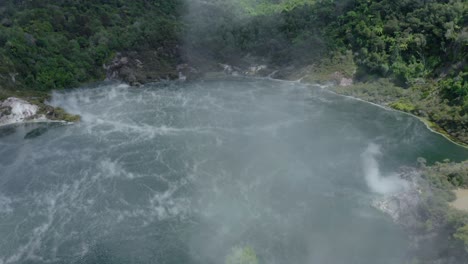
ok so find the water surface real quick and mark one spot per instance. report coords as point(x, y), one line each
point(184, 173)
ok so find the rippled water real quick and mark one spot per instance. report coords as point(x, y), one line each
point(184, 173)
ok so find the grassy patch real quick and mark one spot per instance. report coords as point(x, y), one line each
point(58, 113)
point(403, 105)
point(330, 69)
point(422, 100)
point(380, 92)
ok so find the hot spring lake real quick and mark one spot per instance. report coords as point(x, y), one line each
point(185, 172)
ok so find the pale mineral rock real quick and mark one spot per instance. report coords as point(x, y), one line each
point(346, 82)
point(15, 110)
point(402, 206)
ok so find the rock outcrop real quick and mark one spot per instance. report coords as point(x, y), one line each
point(340, 79)
point(403, 206)
point(15, 110)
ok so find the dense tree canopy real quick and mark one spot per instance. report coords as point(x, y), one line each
point(57, 44)
point(47, 44)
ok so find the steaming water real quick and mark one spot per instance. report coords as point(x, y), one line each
point(183, 173)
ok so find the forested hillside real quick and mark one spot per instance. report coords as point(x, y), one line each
point(419, 45)
point(408, 41)
point(57, 44)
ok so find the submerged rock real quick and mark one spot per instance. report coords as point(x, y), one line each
point(36, 132)
point(41, 129)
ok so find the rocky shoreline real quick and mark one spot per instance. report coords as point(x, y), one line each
point(401, 206)
point(14, 110)
point(432, 111)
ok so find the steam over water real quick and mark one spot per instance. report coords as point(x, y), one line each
point(184, 173)
point(378, 183)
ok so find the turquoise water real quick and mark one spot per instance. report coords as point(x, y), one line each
point(185, 172)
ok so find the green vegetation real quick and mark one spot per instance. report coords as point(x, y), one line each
point(462, 235)
point(443, 224)
point(48, 45)
point(381, 91)
point(419, 45)
point(423, 100)
point(325, 70)
point(58, 113)
point(293, 33)
point(407, 40)
point(403, 105)
point(448, 174)
point(265, 7)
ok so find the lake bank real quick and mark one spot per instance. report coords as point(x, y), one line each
point(438, 116)
point(429, 124)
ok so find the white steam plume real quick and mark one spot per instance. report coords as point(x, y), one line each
point(378, 183)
